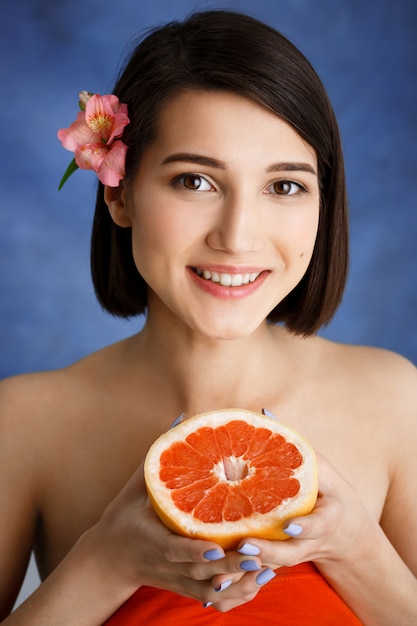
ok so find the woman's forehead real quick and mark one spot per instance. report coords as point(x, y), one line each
point(219, 122)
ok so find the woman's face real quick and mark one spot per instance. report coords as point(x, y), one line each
point(224, 211)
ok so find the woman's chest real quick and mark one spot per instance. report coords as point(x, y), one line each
point(353, 438)
point(86, 470)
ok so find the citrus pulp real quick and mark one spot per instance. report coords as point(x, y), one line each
point(230, 474)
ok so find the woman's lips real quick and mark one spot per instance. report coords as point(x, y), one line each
point(227, 279)
point(228, 284)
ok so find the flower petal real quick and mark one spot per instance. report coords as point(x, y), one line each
point(120, 121)
point(99, 116)
point(92, 138)
point(106, 116)
point(90, 156)
point(112, 168)
point(77, 134)
point(113, 101)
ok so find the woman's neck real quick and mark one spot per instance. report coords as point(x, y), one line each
point(200, 374)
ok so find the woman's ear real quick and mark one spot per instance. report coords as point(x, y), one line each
point(115, 198)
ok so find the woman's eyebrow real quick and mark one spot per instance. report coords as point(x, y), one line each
point(199, 159)
point(194, 158)
point(291, 166)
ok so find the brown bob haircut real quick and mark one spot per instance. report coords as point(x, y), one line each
point(228, 51)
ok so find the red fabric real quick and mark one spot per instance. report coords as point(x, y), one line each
point(297, 596)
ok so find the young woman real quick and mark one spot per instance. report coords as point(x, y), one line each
point(229, 228)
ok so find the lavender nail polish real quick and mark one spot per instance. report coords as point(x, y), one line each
point(207, 604)
point(177, 421)
point(269, 414)
point(249, 566)
point(293, 530)
point(265, 576)
point(248, 549)
point(225, 585)
point(213, 555)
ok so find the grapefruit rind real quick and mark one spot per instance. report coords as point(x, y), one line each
point(228, 534)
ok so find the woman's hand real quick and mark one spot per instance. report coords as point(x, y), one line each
point(336, 530)
point(145, 552)
point(140, 550)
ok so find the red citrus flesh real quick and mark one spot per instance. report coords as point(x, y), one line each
point(230, 474)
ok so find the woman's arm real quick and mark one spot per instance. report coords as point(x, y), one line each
point(371, 563)
point(18, 511)
point(377, 573)
point(128, 547)
point(364, 567)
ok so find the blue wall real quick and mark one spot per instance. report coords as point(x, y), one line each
point(366, 54)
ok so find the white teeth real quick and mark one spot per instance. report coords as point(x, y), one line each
point(225, 280)
point(237, 280)
point(228, 280)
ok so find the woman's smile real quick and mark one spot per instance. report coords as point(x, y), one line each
point(230, 284)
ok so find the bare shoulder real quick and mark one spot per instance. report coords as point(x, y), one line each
point(377, 360)
point(24, 400)
point(380, 390)
point(34, 401)
point(44, 417)
point(373, 376)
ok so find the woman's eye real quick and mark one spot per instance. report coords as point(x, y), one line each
point(286, 188)
point(193, 182)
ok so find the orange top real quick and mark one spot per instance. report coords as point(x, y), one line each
point(298, 596)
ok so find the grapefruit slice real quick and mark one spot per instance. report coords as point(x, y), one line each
point(230, 474)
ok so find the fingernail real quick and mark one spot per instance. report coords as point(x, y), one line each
point(265, 576)
point(248, 549)
point(293, 530)
point(206, 604)
point(213, 555)
point(177, 421)
point(269, 414)
point(223, 586)
point(249, 566)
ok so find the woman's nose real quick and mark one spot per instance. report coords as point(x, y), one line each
point(237, 228)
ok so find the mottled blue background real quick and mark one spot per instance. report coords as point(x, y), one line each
point(364, 50)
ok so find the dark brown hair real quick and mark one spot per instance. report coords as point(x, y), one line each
point(223, 50)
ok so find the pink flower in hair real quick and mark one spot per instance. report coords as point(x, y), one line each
point(94, 138)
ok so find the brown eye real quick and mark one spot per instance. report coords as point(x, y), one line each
point(191, 181)
point(286, 188)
